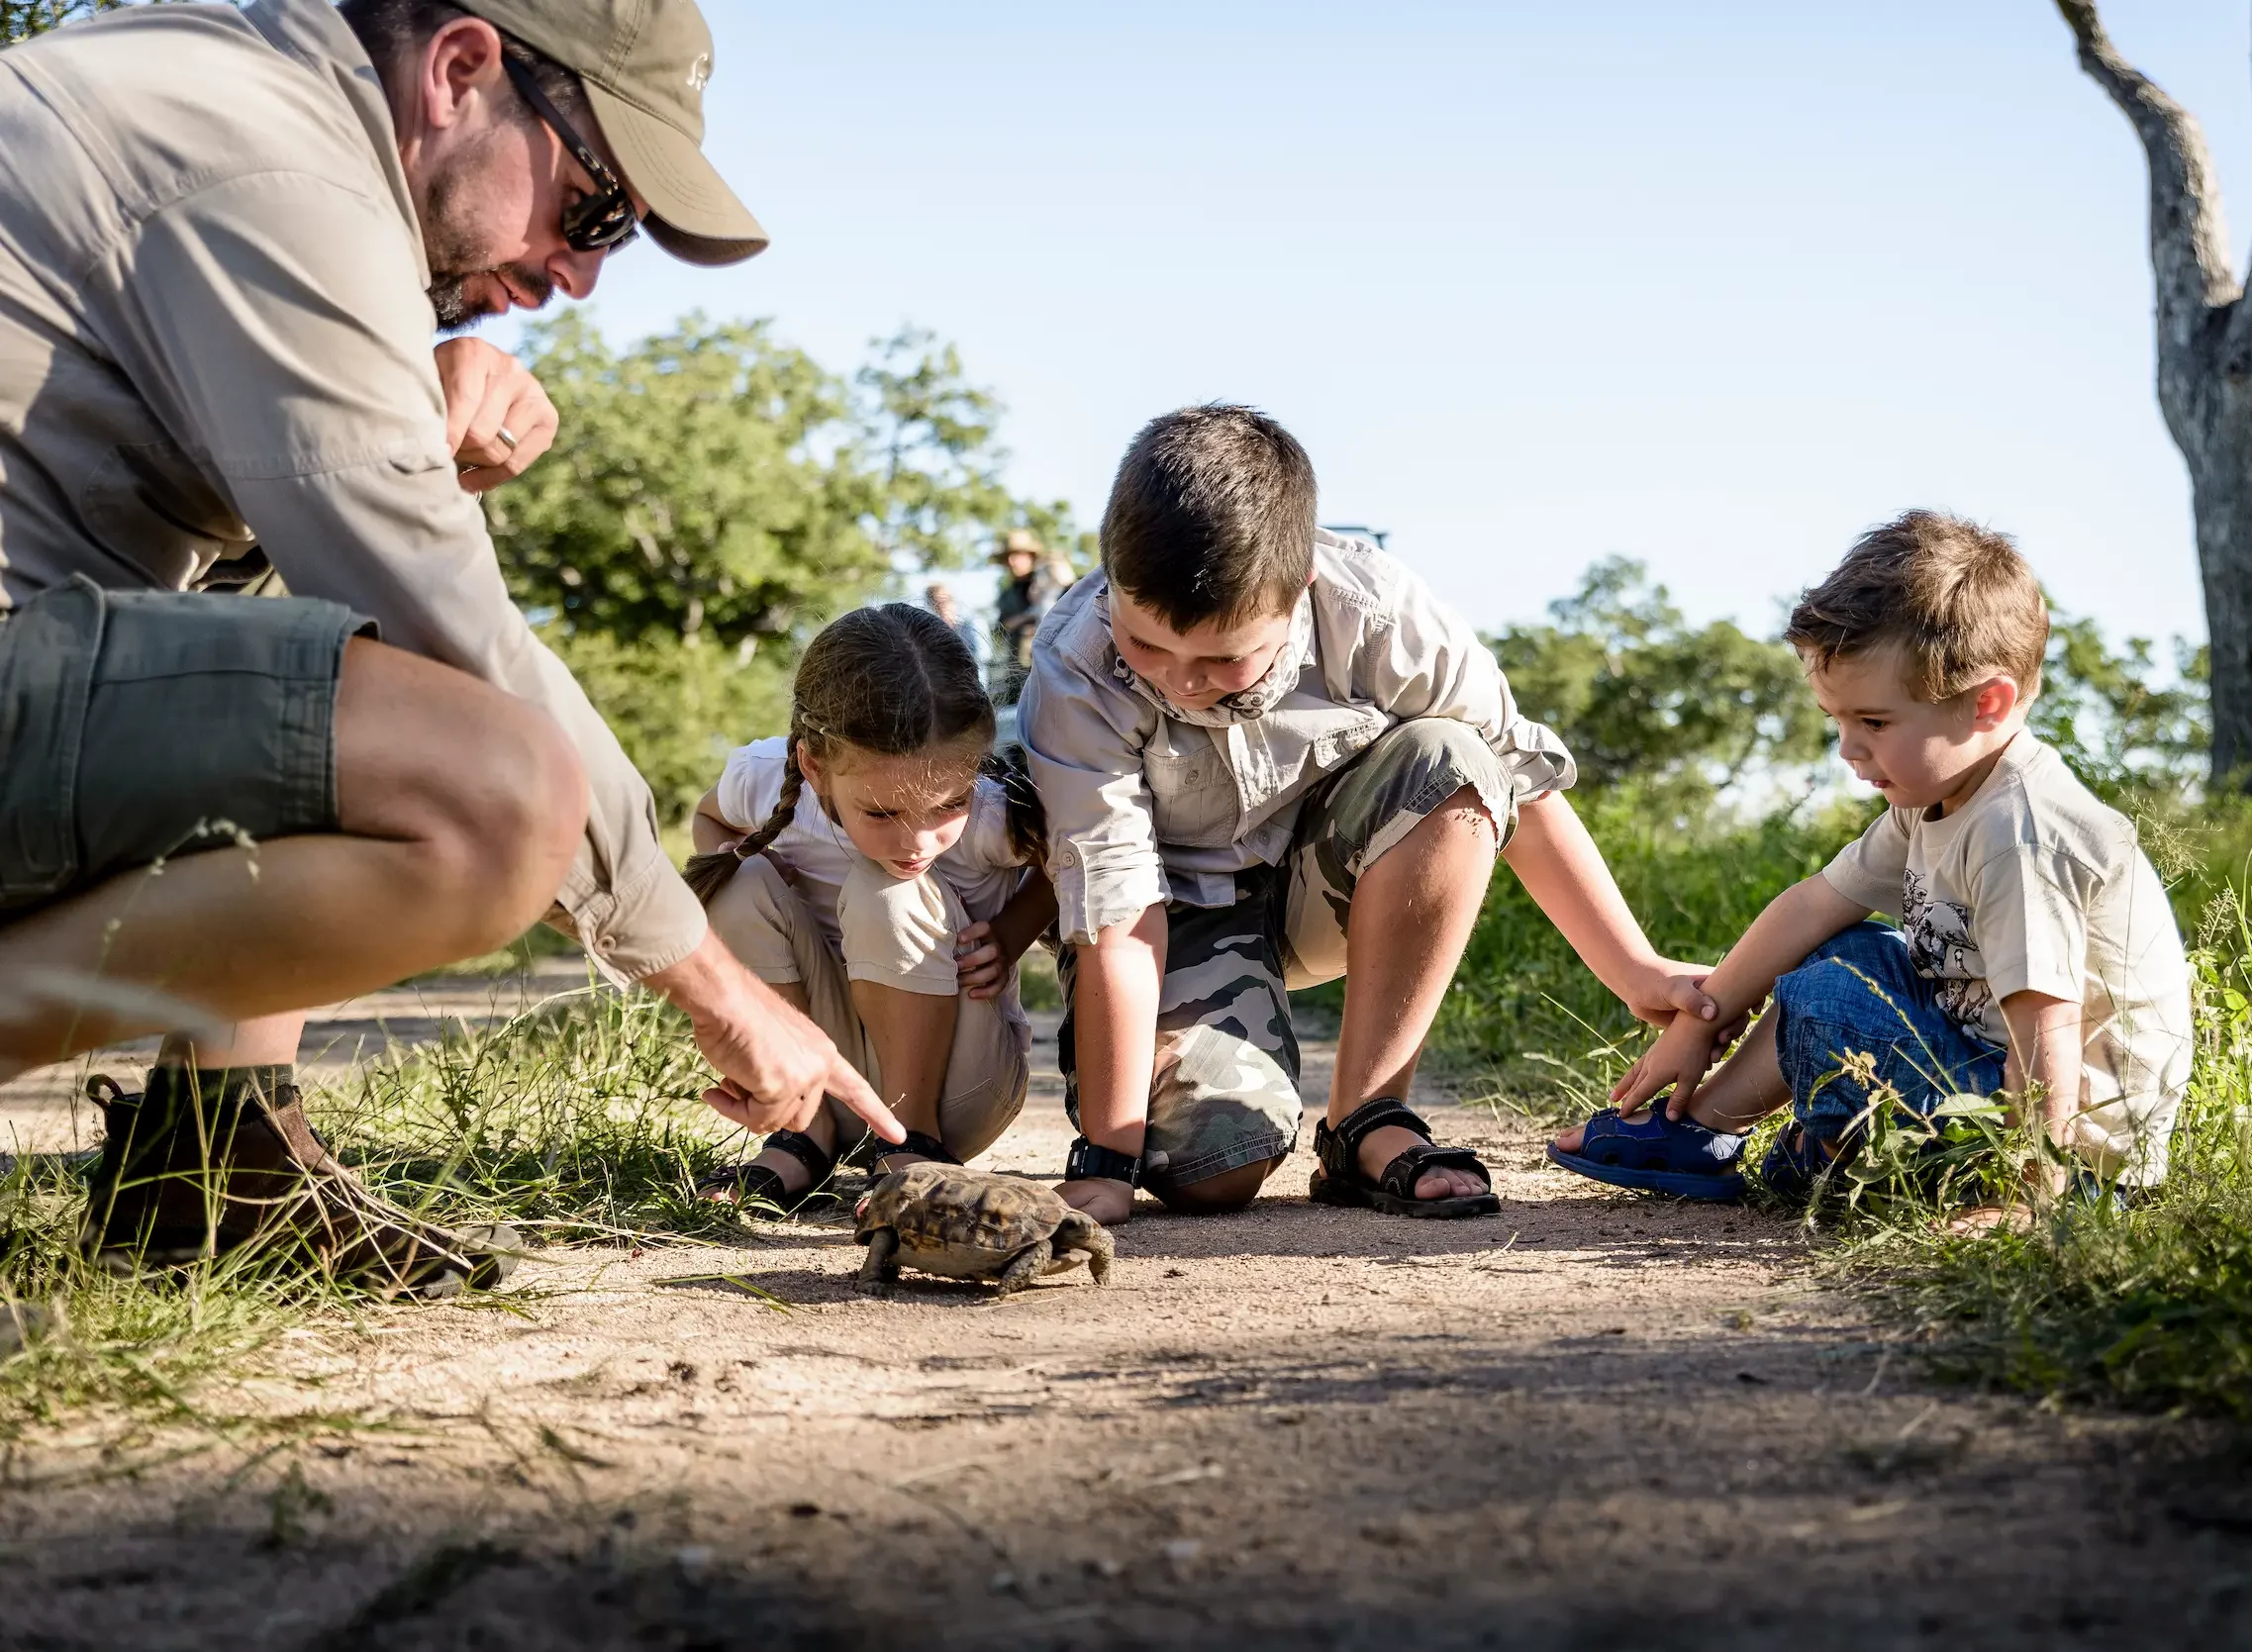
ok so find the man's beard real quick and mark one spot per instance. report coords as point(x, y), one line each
point(457, 256)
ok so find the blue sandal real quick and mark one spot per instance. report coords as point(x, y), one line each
point(1794, 1165)
point(1657, 1154)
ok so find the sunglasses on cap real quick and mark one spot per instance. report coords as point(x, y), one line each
point(603, 221)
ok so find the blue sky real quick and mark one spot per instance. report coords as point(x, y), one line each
point(1712, 286)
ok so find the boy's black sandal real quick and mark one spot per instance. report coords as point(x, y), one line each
point(1341, 1180)
point(747, 1184)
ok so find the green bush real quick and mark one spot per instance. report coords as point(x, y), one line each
point(1527, 1017)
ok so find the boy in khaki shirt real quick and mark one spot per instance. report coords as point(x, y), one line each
point(1270, 757)
point(2036, 956)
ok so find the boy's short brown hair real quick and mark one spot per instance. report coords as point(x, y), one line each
point(1957, 600)
point(1210, 518)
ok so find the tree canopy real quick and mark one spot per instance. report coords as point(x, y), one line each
point(1636, 691)
point(22, 19)
point(713, 482)
point(714, 495)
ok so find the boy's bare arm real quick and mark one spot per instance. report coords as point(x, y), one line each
point(2044, 1050)
point(1792, 925)
point(1564, 872)
point(1115, 1001)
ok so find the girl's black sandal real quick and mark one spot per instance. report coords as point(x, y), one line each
point(1341, 1180)
point(759, 1184)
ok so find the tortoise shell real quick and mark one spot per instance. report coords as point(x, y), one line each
point(962, 1223)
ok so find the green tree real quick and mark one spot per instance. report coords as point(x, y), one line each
point(2114, 721)
point(705, 484)
point(22, 19)
point(929, 439)
point(713, 495)
point(1638, 694)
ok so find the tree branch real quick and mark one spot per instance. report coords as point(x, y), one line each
point(2188, 243)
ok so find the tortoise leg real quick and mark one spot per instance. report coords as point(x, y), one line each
point(880, 1266)
point(1026, 1266)
point(1083, 1232)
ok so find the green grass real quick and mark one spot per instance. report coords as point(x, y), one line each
point(579, 1120)
point(1525, 1019)
point(2147, 1307)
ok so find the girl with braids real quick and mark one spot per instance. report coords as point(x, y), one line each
point(881, 869)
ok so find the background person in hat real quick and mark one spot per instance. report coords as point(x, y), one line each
point(1017, 610)
point(215, 352)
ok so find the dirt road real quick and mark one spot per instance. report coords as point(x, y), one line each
point(1590, 1423)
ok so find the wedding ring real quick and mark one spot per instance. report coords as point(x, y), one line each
point(507, 435)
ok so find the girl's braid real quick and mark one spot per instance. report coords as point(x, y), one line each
point(708, 874)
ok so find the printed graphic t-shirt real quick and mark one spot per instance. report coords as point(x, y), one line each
point(2034, 885)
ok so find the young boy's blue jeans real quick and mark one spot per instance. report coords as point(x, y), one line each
point(1859, 995)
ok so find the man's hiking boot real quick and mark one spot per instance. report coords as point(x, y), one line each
point(228, 1165)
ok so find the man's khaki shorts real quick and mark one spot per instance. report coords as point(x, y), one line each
point(141, 725)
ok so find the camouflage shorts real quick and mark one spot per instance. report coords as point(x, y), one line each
point(1224, 1093)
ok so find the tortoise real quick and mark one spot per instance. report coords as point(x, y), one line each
point(972, 1224)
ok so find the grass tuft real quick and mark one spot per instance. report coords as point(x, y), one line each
point(2146, 1305)
point(579, 1120)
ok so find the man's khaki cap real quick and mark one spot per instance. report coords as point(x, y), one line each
point(645, 63)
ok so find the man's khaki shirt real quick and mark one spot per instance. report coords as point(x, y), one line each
point(214, 339)
point(1144, 808)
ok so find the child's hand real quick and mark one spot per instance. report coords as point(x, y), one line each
point(1665, 988)
point(978, 960)
point(1680, 1058)
point(1109, 1202)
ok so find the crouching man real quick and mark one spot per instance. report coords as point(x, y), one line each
point(216, 315)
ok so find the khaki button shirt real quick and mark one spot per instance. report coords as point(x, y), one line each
point(214, 339)
point(1144, 808)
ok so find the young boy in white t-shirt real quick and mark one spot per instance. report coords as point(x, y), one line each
point(2036, 956)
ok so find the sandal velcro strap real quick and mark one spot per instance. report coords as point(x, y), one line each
point(1089, 1162)
point(1339, 1148)
point(1408, 1168)
point(759, 1183)
point(804, 1149)
point(1653, 1153)
point(919, 1142)
point(1341, 1180)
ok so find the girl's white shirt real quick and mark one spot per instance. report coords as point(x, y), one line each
point(983, 868)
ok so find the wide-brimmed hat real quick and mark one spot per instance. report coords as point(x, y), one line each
point(645, 63)
point(1018, 541)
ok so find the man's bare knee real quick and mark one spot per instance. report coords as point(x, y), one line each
point(1230, 1190)
point(486, 787)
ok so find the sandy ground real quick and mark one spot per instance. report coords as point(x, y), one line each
point(1590, 1423)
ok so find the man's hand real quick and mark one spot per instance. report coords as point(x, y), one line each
point(1109, 1202)
point(774, 1064)
point(498, 418)
point(1681, 1057)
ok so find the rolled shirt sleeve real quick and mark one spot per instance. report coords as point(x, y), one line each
point(1431, 663)
point(1872, 870)
point(281, 333)
point(1084, 744)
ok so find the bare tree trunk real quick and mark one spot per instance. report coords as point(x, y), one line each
point(2204, 366)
